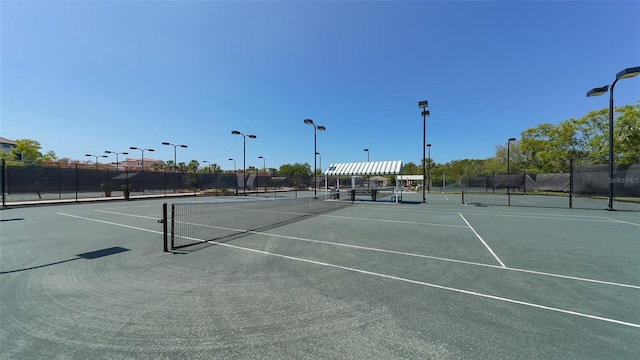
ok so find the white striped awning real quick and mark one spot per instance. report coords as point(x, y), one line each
point(365, 168)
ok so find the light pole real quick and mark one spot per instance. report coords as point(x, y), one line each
point(235, 172)
point(624, 74)
point(509, 170)
point(244, 159)
point(429, 169)
point(315, 168)
point(264, 170)
point(321, 172)
point(96, 156)
point(209, 166)
point(367, 151)
point(174, 152)
point(423, 105)
point(141, 162)
point(117, 153)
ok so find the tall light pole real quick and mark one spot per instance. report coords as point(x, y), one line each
point(235, 172)
point(624, 74)
point(244, 159)
point(315, 168)
point(321, 171)
point(429, 168)
point(509, 170)
point(367, 151)
point(141, 162)
point(209, 166)
point(174, 152)
point(96, 156)
point(423, 105)
point(117, 153)
point(264, 170)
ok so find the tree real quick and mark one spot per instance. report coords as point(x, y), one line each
point(411, 168)
point(27, 152)
point(517, 161)
point(627, 134)
point(193, 166)
point(551, 146)
point(296, 169)
point(215, 168)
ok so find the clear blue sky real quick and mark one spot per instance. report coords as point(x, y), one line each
point(85, 77)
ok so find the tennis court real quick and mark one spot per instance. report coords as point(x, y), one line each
point(373, 280)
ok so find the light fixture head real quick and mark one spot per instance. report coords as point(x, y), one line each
point(628, 73)
point(597, 91)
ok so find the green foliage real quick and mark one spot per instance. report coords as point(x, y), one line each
point(27, 152)
point(296, 169)
point(411, 168)
point(548, 147)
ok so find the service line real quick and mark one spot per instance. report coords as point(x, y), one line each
point(485, 244)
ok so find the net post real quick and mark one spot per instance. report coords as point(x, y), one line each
point(164, 228)
point(463, 202)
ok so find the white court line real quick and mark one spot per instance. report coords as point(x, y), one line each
point(445, 197)
point(622, 221)
point(391, 221)
point(602, 282)
point(494, 213)
point(444, 259)
point(493, 297)
point(485, 244)
point(124, 214)
point(112, 223)
point(132, 207)
point(575, 278)
point(570, 312)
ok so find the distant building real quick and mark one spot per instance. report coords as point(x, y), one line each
point(7, 144)
point(133, 163)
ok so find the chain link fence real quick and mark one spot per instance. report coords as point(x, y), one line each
point(76, 182)
point(586, 185)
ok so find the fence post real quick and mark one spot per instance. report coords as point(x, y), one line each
point(4, 182)
point(77, 182)
point(570, 183)
point(494, 182)
point(59, 182)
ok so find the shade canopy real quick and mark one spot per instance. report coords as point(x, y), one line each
point(365, 168)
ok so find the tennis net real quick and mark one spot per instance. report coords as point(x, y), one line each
point(198, 222)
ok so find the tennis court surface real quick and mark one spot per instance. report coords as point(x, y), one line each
point(372, 280)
